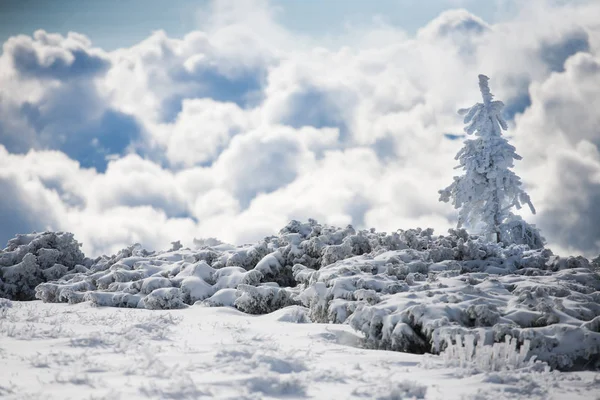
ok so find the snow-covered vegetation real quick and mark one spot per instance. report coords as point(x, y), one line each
point(29, 260)
point(489, 189)
point(466, 352)
point(407, 291)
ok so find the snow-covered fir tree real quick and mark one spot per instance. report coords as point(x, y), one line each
point(489, 189)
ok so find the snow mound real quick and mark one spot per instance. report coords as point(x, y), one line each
point(409, 291)
point(31, 259)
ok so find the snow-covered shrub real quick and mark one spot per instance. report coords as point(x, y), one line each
point(247, 257)
point(274, 269)
point(410, 290)
point(106, 299)
point(152, 283)
point(262, 299)
point(29, 260)
point(515, 230)
point(524, 307)
point(417, 239)
point(469, 353)
point(163, 299)
point(72, 292)
point(195, 289)
point(336, 252)
point(335, 291)
point(381, 242)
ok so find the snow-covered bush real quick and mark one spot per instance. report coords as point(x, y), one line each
point(467, 352)
point(163, 299)
point(525, 307)
point(516, 230)
point(29, 260)
point(105, 299)
point(409, 290)
point(262, 299)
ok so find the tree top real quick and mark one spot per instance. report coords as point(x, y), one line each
point(485, 89)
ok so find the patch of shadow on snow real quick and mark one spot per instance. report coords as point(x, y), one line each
point(342, 337)
point(278, 386)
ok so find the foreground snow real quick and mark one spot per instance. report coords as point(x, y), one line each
point(80, 351)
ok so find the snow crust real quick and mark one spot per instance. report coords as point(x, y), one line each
point(409, 291)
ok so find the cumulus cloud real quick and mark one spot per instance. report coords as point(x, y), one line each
point(49, 99)
point(571, 217)
point(202, 130)
point(153, 78)
point(22, 207)
point(231, 131)
point(457, 25)
point(559, 138)
point(260, 162)
point(27, 204)
point(132, 182)
point(52, 56)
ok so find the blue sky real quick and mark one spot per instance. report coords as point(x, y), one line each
point(117, 23)
point(241, 115)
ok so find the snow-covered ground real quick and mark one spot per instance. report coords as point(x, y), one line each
point(313, 312)
point(61, 351)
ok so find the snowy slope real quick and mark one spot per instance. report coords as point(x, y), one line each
point(61, 351)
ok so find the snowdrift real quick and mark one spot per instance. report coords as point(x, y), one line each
point(409, 291)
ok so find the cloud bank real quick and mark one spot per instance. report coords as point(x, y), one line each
point(232, 131)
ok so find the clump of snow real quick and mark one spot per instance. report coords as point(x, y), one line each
point(294, 314)
point(29, 260)
point(222, 298)
point(410, 291)
point(393, 391)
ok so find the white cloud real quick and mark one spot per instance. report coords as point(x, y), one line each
point(131, 181)
point(559, 137)
point(456, 24)
point(246, 125)
point(202, 130)
point(261, 161)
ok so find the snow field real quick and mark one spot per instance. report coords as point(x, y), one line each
point(62, 351)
